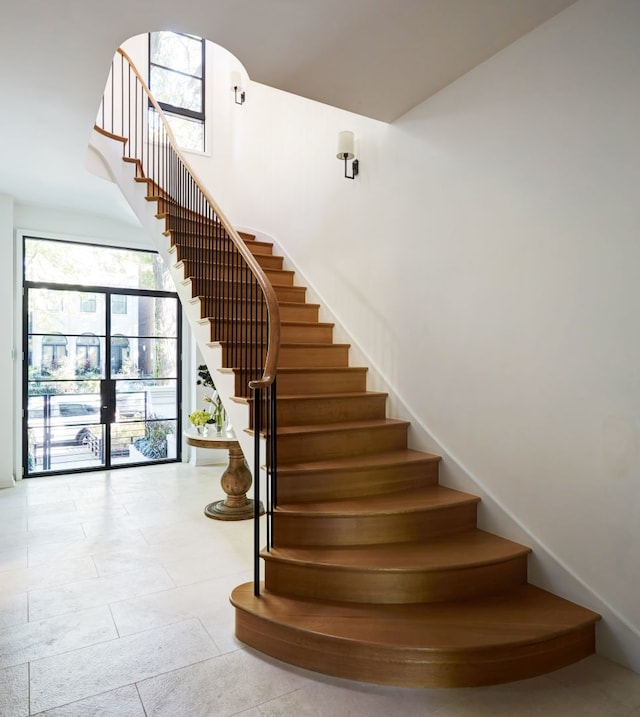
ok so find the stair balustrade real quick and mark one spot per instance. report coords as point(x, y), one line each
point(244, 311)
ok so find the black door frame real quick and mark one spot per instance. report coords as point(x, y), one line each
point(107, 383)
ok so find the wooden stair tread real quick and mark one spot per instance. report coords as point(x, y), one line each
point(327, 370)
point(428, 497)
point(306, 344)
point(328, 396)
point(355, 463)
point(525, 614)
point(242, 320)
point(451, 552)
point(346, 426)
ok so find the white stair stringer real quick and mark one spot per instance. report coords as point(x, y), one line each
point(109, 152)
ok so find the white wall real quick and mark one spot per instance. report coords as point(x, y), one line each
point(486, 261)
point(7, 350)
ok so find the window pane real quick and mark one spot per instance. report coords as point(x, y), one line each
point(88, 303)
point(119, 304)
point(145, 358)
point(60, 262)
point(189, 133)
point(176, 89)
point(177, 51)
point(146, 400)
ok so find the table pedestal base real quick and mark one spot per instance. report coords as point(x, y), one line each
point(235, 482)
point(219, 510)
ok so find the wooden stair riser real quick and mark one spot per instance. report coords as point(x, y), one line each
point(290, 332)
point(318, 380)
point(323, 409)
point(210, 305)
point(342, 441)
point(318, 530)
point(197, 237)
point(292, 355)
point(193, 238)
point(319, 355)
point(404, 666)
point(201, 286)
point(180, 220)
point(221, 272)
point(177, 217)
point(374, 586)
point(213, 255)
point(290, 311)
point(335, 483)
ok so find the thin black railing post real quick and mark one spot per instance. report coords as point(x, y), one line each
point(257, 398)
point(217, 264)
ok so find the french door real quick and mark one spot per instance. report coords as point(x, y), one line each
point(101, 382)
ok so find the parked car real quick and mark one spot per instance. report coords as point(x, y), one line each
point(69, 420)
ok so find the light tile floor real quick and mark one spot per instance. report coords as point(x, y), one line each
point(114, 601)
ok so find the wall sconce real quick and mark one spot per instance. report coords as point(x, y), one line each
point(236, 86)
point(346, 152)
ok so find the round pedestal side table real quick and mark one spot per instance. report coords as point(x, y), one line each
point(236, 479)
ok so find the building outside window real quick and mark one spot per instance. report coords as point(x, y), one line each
point(87, 355)
point(88, 303)
point(54, 351)
point(176, 80)
point(119, 304)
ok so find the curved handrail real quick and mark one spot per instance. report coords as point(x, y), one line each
point(245, 314)
point(273, 346)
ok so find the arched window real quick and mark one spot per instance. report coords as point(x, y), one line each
point(87, 354)
point(54, 350)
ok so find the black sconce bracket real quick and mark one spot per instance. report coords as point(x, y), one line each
point(355, 165)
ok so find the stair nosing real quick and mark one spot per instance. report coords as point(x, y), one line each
point(373, 505)
point(382, 612)
point(361, 463)
point(317, 561)
point(373, 423)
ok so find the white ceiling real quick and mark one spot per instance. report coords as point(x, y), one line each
point(378, 58)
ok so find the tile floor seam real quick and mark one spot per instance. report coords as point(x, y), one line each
point(82, 699)
point(273, 699)
point(113, 619)
point(70, 650)
point(144, 709)
point(177, 669)
point(29, 687)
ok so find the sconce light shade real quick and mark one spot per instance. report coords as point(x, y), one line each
point(346, 151)
point(346, 145)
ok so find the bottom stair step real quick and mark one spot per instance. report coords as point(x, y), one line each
point(515, 635)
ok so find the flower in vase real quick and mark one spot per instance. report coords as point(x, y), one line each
point(200, 417)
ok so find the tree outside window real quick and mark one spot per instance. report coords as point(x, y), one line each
point(176, 80)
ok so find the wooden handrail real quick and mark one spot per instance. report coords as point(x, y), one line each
point(217, 260)
point(273, 347)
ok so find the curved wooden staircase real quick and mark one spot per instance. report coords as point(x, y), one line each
point(377, 572)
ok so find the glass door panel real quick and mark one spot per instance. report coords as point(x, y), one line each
point(65, 365)
point(144, 372)
point(101, 336)
point(78, 414)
